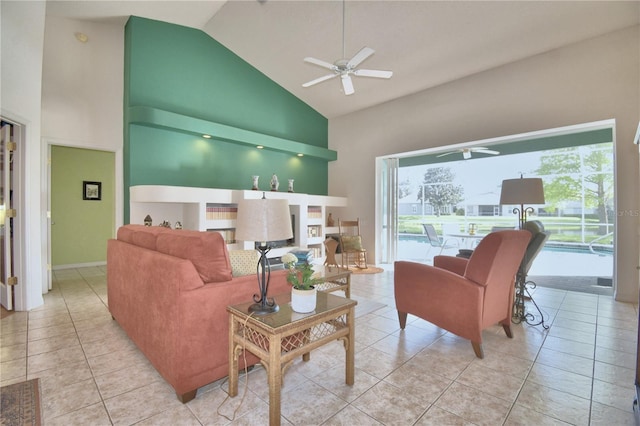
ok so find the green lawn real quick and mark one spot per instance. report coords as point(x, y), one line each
point(562, 229)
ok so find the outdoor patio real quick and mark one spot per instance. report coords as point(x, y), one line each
point(554, 268)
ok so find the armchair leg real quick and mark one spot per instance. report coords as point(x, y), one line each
point(477, 348)
point(507, 330)
point(402, 316)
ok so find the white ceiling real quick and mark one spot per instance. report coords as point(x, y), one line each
point(425, 43)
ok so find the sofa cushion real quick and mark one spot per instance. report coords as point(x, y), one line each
point(206, 250)
point(140, 235)
point(243, 262)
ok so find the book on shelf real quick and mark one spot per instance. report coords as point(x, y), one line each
point(221, 212)
point(229, 235)
point(314, 212)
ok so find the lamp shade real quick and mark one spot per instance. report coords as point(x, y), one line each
point(522, 191)
point(263, 220)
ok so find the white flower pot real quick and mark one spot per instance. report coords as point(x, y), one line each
point(303, 301)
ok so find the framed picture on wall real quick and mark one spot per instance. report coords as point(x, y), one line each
point(91, 190)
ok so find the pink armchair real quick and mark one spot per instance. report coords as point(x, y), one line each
point(464, 296)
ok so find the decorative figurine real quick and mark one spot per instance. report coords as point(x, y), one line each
point(148, 221)
point(290, 186)
point(330, 221)
point(254, 186)
point(274, 182)
point(166, 224)
point(178, 225)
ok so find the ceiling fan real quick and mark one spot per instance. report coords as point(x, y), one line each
point(345, 68)
point(466, 152)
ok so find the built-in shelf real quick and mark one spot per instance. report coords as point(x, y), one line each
point(215, 210)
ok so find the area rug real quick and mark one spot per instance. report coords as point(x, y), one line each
point(367, 270)
point(21, 404)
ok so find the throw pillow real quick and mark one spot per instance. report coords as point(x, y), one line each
point(243, 262)
point(351, 242)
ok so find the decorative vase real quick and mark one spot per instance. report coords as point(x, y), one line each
point(274, 182)
point(330, 221)
point(254, 184)
point(303, 301)
point(290, 185)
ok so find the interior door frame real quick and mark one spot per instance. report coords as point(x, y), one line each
point(20, 290)
point(118, 192)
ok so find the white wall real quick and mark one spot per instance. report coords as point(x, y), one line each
point(22, 34)
point(83, 90)
point(590, 81)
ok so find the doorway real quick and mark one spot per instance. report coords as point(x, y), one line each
point(81, 205)
point(483, 205)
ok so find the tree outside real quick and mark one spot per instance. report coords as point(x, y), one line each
point(437, 190)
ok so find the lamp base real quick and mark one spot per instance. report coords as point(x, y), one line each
point(260, 309)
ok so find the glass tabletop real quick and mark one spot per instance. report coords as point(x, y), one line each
point(325, 303)
point(330, 272)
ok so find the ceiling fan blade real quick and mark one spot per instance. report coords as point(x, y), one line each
point(487, 151)
point(320, 63)
point(363, 54)
point(447, 153)
point(347, 84)
point(319, 80)
point(373, 73)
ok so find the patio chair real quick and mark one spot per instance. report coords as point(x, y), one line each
point(435, 240)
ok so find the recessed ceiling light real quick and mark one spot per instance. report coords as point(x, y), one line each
point(206, 136)
point(300, 155)
point(81, 37)
point(259, 146)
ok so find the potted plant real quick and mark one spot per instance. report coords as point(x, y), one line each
point(300, 276)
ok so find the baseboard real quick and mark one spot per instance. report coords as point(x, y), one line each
point(78, 265)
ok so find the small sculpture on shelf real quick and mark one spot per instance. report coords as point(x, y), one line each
point(290, 189)
point(254, 185)
point(148, 221)
point(274, 182)
point(166, 224)
point(178, 225)
point(330, 221)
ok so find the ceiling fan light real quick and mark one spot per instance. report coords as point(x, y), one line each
point(466, 154)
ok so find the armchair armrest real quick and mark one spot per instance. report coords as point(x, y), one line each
point(451, 263)
point(437, 295)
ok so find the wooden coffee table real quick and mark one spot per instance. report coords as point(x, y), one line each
point(278, 338)
point(335, 279)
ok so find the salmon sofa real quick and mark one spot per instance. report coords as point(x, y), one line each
point(169, 290)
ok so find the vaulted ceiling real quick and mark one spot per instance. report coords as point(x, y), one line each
point(424, 43)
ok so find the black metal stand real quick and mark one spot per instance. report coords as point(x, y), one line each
point(263, 305)
point(519, 311)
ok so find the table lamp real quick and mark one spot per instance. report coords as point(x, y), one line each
point(522, 191)
point(263, 220)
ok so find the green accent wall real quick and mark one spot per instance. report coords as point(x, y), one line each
point(80, 228)
point(186, 73)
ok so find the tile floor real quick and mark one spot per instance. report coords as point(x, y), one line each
point(579, 372)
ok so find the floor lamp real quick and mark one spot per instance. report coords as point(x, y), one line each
point(263, 220)
point(520, 192)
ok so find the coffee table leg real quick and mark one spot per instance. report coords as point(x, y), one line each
point(275, 379)
point(233, 359)
point(350, 348)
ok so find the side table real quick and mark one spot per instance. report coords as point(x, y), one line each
point(278, 338)
point(335, 279)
